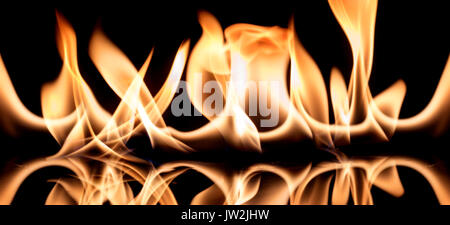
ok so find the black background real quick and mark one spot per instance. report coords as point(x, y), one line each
point(411, 43)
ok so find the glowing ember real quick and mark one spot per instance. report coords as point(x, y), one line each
point(253, 102)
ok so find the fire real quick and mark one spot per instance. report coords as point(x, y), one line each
point(243, 61)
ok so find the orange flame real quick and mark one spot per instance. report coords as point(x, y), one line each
point(93, 141)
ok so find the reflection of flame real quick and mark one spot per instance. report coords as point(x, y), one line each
point(93, 141)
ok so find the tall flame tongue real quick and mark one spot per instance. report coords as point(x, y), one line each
point(243, 60)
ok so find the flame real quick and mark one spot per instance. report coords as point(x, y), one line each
point(93, 140)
